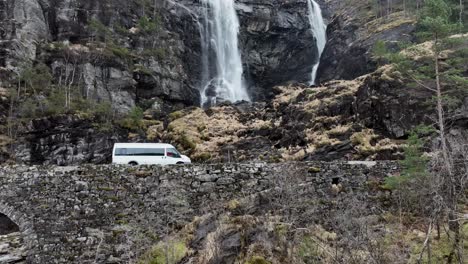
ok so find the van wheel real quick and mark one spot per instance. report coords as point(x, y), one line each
point(133, 163)
point(180, 162)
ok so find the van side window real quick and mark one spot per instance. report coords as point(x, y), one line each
point(172, 153)
point(139, 152)
point(120, 152)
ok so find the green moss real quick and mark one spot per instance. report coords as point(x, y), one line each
point(117, 233)
point(105, 188)
point(274, 159)
point(313, 170)
point(163, 253)
point(310, 91)
point(122, 222)
point(176, 115)
point(257, 260)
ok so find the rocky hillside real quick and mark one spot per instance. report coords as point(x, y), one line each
point(77, 76)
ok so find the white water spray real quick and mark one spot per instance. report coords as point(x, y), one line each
point(319, 30)
point(222, 78)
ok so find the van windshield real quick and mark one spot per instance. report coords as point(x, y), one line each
point(173, 153)
point(139, 152)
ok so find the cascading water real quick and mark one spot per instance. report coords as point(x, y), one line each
point(319, 30)
point(222, 78)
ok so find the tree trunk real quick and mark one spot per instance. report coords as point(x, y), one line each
point(447, 163)
point(460, 16)
point(440, 111)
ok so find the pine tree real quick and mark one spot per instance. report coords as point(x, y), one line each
point(439, 65)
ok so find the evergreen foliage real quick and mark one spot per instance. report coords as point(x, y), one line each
point(415, 165)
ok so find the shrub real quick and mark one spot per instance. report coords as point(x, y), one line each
point(134, 119)
point(187, 143)
point(55, 103)
point(99, 28)
point(176, 115)
point(37, 78)
point(29, 108)
point(414, 165)
point(147, 25)
point(165, 252)
point(120, 52)
point(104, 111)
point(308, 250)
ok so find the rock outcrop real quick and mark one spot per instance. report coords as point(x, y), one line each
point(324, 123)
point(98, 46)
point(352, 34)
point(102, 47)
point(66, 140)
point(277, 43)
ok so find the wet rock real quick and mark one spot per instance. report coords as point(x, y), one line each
point(66, 140)
point(351, 35)
point(277, 43)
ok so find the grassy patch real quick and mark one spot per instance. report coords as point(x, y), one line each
point(169, 252)
point(176, 115)
point(257, 260)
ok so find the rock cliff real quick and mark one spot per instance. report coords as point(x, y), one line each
point(162, 62)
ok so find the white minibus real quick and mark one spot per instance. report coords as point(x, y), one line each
point(147, 154)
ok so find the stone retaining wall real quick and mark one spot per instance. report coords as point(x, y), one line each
point(108, 214)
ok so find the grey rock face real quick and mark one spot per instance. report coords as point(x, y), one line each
point(277, 45)
point(275, 39)
point(66, 140)
point(348, 53)
point(277, 42)
point(28, 28)
point(389, 106)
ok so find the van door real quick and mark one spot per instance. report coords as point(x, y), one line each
point(173, 156)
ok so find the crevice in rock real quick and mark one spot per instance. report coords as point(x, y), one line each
point(7, 226)
point(12, 249)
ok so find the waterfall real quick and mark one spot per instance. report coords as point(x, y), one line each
point(222, 78)
point(319, 30)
